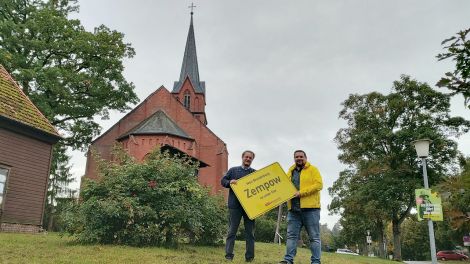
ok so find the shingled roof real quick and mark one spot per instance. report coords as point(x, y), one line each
point(16, 106)
point(189, 68)
point(158, 123)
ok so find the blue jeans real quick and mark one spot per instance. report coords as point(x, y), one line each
point(310, 218)
point(235, 215)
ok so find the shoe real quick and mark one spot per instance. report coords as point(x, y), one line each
point(284, 262)
point(249, 260)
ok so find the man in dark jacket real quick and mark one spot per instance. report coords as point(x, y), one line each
point(236, 211)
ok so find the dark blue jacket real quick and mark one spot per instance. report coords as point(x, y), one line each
point(234, 173)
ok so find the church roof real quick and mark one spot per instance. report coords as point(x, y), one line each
point(16, 106)
point(190, 68)
point(158, 123)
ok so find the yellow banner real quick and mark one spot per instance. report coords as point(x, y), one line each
point(263, 190)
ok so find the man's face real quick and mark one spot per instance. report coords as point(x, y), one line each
point(247, 159)
point(300, 159)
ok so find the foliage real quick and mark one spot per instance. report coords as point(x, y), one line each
point(354, 197)
point(70, 74)
point(265, 226)
point(415, 239)
point(326, 237)
point(458, 49)
point(158, 202)
point(456, 198)
point(377, 147)
point(447, 238)
point(59, 180)
point(57, 224)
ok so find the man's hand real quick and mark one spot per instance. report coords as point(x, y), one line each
point(234, 182)
point(297, 194)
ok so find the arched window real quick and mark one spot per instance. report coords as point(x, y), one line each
point(187, 100)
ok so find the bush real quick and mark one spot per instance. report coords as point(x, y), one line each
point(265, 226)
point(157, 202)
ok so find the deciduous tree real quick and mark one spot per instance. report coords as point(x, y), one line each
point(72, 75)
point(458, 49)
point(377, 144)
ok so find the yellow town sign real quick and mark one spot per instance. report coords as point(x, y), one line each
point(263, 190)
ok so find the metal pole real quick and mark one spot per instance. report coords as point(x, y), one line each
point(277, 237)
point(432, 240)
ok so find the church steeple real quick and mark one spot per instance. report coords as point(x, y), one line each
point(189, 90)
point(190, 68)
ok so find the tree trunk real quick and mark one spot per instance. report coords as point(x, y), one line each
point(380, 237)
point(50, 221)
point(380, 241)
point(396, 240)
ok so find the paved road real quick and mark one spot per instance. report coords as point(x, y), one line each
point(418, 262)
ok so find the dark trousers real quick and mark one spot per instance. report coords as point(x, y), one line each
point(235, 215)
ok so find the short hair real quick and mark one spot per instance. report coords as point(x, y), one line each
point(299, 150)
point(248, 151)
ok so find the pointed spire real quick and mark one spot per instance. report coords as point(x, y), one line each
point(190, 68)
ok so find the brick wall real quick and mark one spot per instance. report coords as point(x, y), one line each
point(19, 228)
point(208, 147)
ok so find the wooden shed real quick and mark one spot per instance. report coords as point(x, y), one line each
point(26, 139)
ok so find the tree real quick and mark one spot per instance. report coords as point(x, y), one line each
point(326, 237)
point(58, 185)
point(356, 200)
point(376, 144)
point(415, 239)
point(70, 74)
point(458, 49)
point(456, 198)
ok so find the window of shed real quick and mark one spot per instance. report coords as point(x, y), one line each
point(3, 180)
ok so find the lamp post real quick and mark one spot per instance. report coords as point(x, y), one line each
point(422, 149)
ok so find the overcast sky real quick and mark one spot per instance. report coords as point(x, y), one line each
point(276, 72)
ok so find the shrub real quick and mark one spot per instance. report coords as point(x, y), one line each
point(157, 202)
point(265, 226)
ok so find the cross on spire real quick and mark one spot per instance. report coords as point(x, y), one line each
point(192, 6)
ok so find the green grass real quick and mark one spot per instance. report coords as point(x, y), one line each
point(51, 248)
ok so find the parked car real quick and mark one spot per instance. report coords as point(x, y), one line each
point(450, 255)
point(346, 251)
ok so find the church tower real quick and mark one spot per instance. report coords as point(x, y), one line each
point(189, 90)
point(172, 121)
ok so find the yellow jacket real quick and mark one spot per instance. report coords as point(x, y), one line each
point(310, 186)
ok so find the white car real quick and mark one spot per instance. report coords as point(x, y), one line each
point(346, 251)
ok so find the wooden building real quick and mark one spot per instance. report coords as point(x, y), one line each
point(26, 139)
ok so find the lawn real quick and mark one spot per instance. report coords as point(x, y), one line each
point(51, 248)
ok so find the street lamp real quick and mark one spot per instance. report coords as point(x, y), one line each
point(422, 149)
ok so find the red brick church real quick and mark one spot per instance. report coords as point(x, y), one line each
point(175, 121)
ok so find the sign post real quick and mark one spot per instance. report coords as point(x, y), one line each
point(263, 190)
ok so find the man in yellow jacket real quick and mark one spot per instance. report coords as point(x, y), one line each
point(304, 208)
